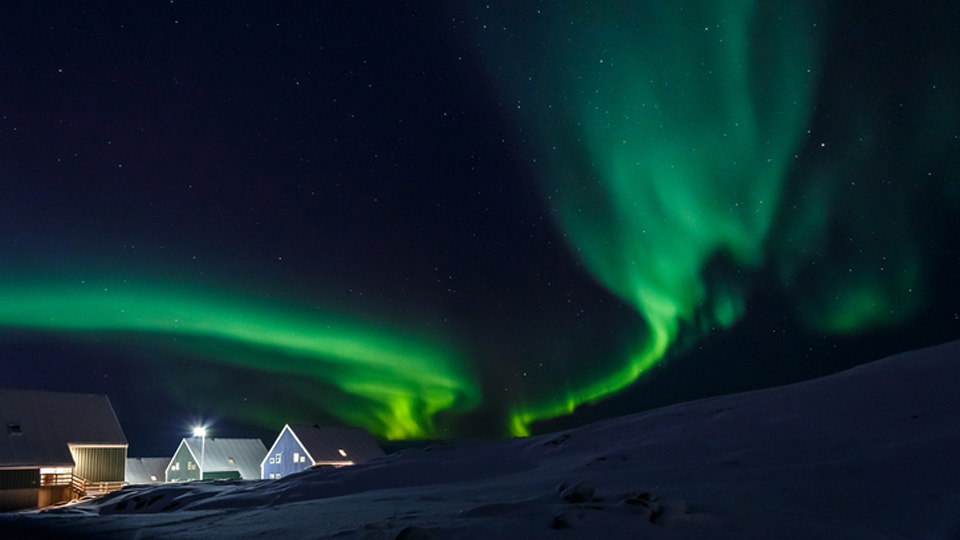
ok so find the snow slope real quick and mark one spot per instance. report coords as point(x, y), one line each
point(872, 452)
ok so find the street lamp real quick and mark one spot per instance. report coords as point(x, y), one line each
point(201, 432)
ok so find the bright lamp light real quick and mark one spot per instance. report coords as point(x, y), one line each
point(199, 431)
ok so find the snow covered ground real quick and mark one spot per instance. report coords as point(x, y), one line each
point(872, 452)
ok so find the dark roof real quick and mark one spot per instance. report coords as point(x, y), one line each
point(324, 443)
point(140, 470)
point(38, 426)
point(217, 455)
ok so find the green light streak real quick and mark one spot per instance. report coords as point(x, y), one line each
point(663, 139)
point(400, 382)
point(521, 419)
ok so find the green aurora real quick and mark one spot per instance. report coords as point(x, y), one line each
point(666, 138)
point(398, 382)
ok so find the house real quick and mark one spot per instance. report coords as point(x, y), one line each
point(216, 458)
point(146, 470)
point(301, 446)
point(57, 446)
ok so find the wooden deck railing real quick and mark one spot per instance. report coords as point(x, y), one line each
point(79, 485)
point(56, 479)
point(102, 488)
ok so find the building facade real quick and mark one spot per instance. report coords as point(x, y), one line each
point(211, 458)
point(148, 470)
point(57, 446)
point(299, 447)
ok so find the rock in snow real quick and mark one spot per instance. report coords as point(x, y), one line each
point(866, 453)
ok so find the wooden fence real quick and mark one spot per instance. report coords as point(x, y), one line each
point(79, 485)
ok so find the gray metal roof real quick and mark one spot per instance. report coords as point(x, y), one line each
point(243, 455)
point(323, 443)
point(140, 470)
point(38, 426)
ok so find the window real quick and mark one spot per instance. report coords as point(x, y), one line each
point(272, 476)
point(273, 460)
point(278, 458)
point(303, 459)
point(343, 452)
point(175, 467)
point(191, 466)
point(296, 457)
point(230, 460)
point(14, 429)
point(153, 478)
point(278, 476)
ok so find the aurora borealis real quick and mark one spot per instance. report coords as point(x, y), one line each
point(396, 383)
point(470, 219)
point(676, 135)
point(665, 142)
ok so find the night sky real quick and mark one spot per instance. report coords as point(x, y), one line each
point(455, 219)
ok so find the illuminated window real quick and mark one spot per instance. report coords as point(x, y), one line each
point(278, 476)
point(230, 460)
point(343, 452)
point(296, 457)
point(153, 478)
point(273, 476)
point(303, 459)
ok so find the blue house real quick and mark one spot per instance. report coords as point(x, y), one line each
point(300, 446)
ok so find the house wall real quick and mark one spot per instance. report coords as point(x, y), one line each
point(18, 499)
point(19, 478)
point(100, 464)
point(221, 475)
point(53, 495)
point(19, 489)
point(182, 467)
point(287, 448)
point(22, 499)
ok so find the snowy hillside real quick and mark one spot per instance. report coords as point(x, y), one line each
point(871, 452)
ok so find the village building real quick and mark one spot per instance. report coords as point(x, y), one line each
point(146, 470)
point(57, 446)
point(210, 458)
point(299, 447)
